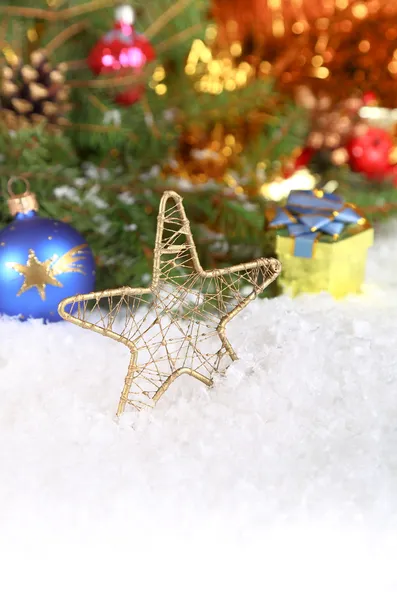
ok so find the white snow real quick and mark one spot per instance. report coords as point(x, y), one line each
point(68, 192)
point(280, 482)
point(112, 117)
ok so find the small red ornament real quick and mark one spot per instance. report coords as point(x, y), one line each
point(370, 99)
point(370, 153)
point(300, 162)
point(124, 50)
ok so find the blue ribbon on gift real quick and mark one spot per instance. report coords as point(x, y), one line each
point(308, 214)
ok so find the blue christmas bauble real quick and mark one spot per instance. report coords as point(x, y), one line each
point(42, 261)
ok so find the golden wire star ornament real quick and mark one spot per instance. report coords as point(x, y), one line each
point(177, 325)
point(40, 274)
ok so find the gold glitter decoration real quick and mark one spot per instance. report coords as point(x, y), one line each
point(68, 262)
point(40, 274)
point(157, 82)
point(207, 153)
point(177, 325)
point(216, 71)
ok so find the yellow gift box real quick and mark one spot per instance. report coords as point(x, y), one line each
point(336, 267)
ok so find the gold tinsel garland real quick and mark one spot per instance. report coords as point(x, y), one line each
point(335, 46)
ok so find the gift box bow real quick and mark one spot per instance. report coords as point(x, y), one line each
point(307, 215)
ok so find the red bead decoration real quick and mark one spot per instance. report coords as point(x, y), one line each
point(370, 99)
point(124, 50)
point(300, 162)
point(370, 153)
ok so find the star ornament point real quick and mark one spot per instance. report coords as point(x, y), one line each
point(177, 325)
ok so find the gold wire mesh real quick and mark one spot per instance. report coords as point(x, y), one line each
point(177, 325)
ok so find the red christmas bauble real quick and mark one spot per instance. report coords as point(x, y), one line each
point(123, 50)
point(370, 153)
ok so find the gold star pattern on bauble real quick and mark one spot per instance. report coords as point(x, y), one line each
point(176, 325)
point(39, 274)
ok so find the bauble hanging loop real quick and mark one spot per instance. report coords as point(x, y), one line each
point(21, 203)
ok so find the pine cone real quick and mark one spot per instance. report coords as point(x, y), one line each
point(33, 93)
